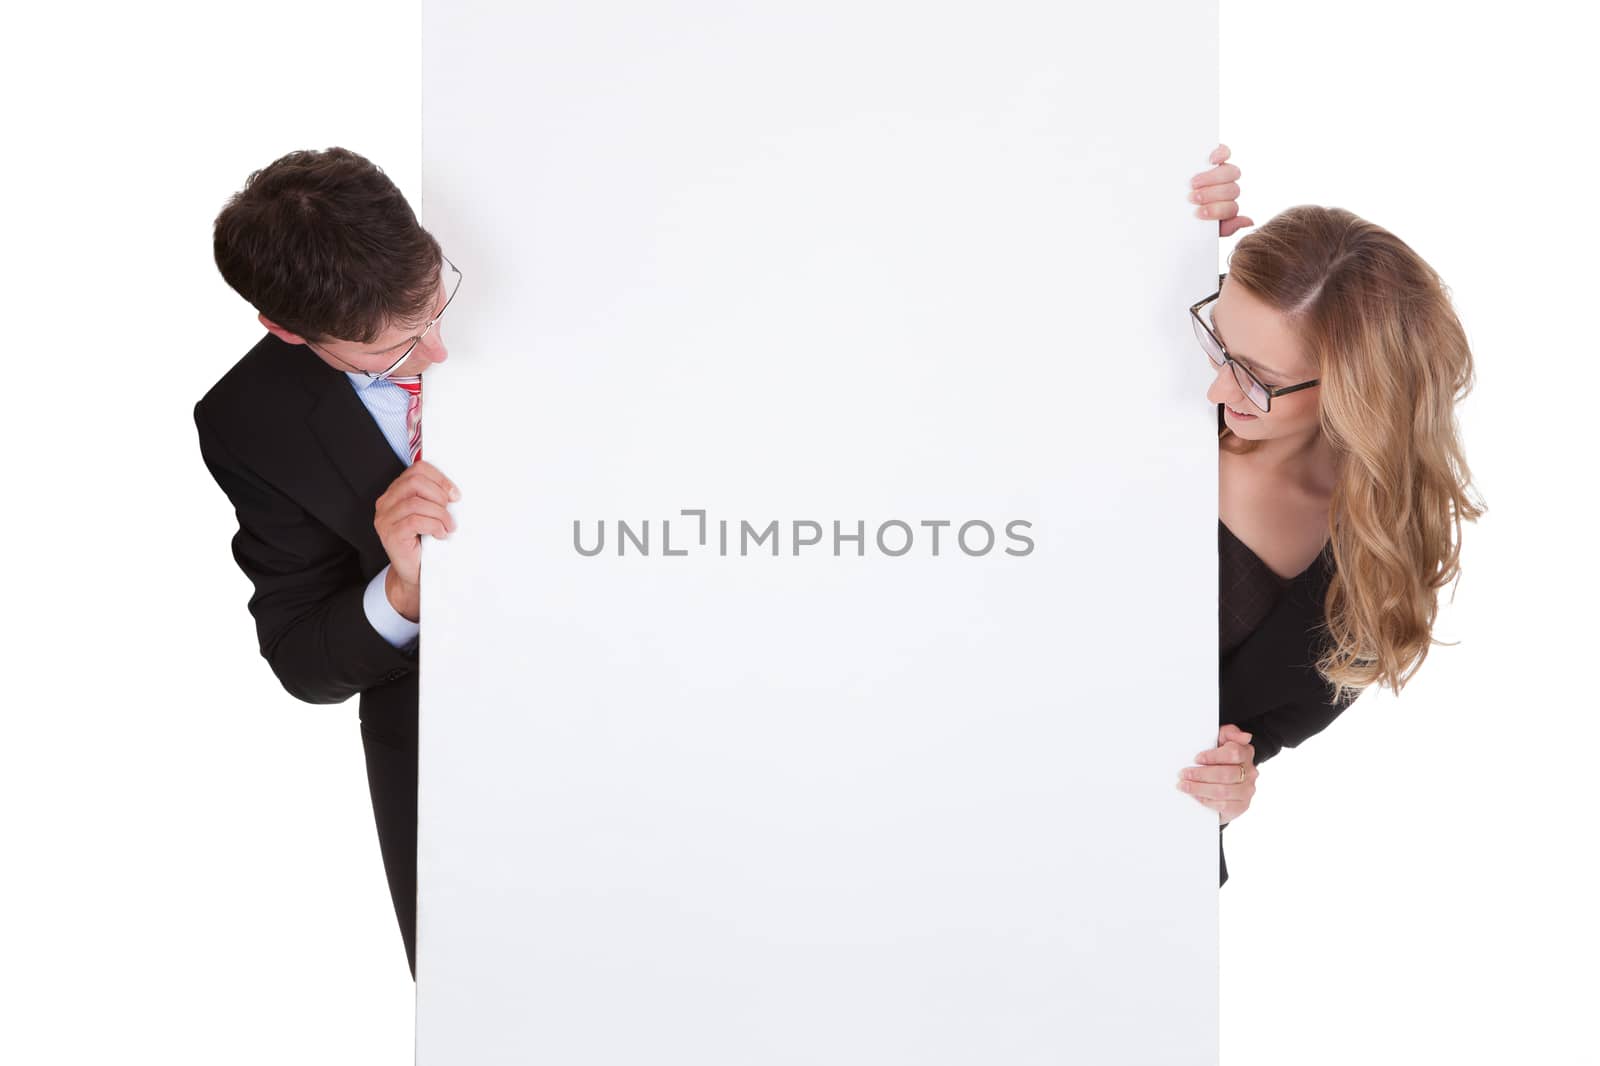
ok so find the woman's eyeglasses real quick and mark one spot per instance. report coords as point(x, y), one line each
point(1259, 394)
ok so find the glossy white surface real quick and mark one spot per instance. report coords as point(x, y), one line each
point(847, 262)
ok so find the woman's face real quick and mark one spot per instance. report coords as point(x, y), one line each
point(1259, 337)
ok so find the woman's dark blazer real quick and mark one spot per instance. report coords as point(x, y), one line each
point(1268, 685)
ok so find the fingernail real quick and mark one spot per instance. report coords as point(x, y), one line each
point(455, 493)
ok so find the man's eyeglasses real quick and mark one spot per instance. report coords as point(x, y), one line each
point(1261, 395)
point(452, 278)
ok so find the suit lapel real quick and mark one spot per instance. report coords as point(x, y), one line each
point(350, 440)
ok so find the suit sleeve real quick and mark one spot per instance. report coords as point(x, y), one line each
point(1287, 724)
point(311, 622)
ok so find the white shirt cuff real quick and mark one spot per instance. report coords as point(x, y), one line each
point(391, 625)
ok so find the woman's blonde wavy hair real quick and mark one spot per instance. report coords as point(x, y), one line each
point(1393, 360)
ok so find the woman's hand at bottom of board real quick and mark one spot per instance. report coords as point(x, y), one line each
point(1224, 777)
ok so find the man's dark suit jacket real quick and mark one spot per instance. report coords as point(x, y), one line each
point(303, 462)
point(1269, 686)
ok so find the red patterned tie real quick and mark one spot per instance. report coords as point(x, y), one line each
point(413, 415)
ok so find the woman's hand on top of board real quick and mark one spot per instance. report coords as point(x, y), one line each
point(1217, 192)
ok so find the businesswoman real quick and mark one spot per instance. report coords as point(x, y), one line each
point(1343, 483)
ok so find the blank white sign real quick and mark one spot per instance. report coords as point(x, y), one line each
point(770, 297)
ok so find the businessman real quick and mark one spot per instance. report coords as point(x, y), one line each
point(315, 435)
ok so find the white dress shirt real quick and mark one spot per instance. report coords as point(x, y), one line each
point(387, 403)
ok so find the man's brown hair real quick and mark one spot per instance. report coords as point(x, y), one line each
point(325, 245)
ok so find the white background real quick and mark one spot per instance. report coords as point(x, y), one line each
point(188, 868)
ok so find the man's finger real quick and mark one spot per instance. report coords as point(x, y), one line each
point(417, 505)
point(425, 485)
point(425, 469)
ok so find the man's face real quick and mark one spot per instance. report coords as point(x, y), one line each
point(382, 352)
